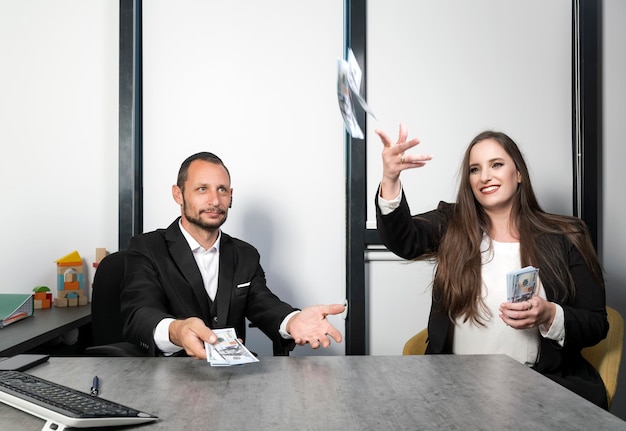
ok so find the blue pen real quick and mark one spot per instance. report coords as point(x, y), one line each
point(95, 386)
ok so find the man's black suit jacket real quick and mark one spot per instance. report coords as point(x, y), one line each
point(586, 323)
point(162, 280)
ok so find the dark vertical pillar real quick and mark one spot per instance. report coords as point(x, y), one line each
point(356, 189)
point(130, 123)
point(587, 114)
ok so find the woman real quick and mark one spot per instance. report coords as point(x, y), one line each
point(497, 226)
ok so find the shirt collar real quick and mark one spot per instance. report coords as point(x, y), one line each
point(195, 245)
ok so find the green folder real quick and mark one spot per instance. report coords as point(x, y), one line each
point(15, 307)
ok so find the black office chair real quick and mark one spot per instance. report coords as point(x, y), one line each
point(106, 318)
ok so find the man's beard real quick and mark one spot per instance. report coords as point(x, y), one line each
point(208, 226)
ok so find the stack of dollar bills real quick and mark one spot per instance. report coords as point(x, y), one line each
point(228, 350)
point(521, 284)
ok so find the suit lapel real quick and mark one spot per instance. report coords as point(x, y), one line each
point(183, 258)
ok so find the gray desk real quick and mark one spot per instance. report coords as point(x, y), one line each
point(330, 393)
point(45, 325)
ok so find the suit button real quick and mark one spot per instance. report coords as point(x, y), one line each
point(215, 319)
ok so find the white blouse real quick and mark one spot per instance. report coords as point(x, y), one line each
point(496, 337)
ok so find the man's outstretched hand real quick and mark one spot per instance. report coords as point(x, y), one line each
point(311, 326)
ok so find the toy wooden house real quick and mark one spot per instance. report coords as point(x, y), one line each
point(71, 289)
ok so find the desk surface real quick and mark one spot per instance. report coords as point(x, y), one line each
point(330, 393)
point(45, 325)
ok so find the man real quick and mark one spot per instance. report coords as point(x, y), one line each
point(182, 281)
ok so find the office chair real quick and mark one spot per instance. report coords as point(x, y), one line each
point(106, 318)
point(416, 345)
point(606, 356)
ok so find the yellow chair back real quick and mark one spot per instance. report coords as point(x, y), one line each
point(606, 356)
point(416, 345)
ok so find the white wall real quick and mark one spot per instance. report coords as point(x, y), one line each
point(58, 129)
point(450, 69)
point(255, 83)
point(613, 236)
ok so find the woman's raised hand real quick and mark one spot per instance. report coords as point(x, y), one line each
point(395, 160)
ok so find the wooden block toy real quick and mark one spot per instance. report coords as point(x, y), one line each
point(71, 285)
point(70, 278)
point(42, 297)
point(100, 254)
point(60, 302)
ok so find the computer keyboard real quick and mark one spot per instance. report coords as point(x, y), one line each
point(61, 406)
